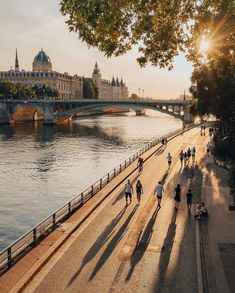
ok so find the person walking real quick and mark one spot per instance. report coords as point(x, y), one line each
point(189, 154)
point(140, 164)
point(128, 190)
point(177, 196)
point(139, 190)
point(181, 156)
point(185, 158)
point(158, 192)
point(189, 200)
point(169, 160)
point(193, 153)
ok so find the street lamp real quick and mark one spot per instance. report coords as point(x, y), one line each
point(139, 92)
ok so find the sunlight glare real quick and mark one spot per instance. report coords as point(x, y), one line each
point(204, 46)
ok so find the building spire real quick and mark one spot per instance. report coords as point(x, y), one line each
point(17, 68)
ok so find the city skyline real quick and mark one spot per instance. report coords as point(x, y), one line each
point(31, 26)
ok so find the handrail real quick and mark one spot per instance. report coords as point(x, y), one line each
point(48, 224)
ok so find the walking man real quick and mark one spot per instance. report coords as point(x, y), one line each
point(128, 190)
point(139, 190)
point(193, 153)
point(169, 160)
point(158, 192)
point(181, 156)
point(140, 164)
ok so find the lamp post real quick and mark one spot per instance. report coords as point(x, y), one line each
point(139, 92)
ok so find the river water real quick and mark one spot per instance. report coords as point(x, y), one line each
point(42, 167)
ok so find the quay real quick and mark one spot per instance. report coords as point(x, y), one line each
point(107, 246)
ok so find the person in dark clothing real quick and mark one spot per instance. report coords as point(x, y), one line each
point(177, 196)
point(139, 190)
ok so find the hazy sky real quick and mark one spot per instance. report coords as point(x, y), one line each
point(31, 25)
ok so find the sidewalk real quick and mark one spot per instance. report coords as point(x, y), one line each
point(218, 231)
point(142, 249)
point(135, 248)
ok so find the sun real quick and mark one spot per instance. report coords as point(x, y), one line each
point(204, 46)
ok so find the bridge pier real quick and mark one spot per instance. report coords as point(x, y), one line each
point(4, 114)
point(140, 112)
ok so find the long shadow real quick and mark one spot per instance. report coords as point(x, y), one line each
point(112, 244)
point(142, 244)
point(160, 150)
point(101, 240)
point(166, 251)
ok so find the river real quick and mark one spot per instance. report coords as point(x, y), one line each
point(42, 167)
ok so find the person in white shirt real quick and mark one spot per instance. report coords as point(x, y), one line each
point(169, 159)
point(158, 192)
point(128, 190)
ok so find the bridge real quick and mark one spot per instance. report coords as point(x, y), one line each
point(57, 111)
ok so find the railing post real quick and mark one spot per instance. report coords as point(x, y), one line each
point(114, 172)
point(120, 168)
point(100, 183)
point(81, 199)
point(125, 164)
point(54, 220)
point(69, 207)
point(108, 177)
point(34, 235)
point(9, 256)
point(92, 189)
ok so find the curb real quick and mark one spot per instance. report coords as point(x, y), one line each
point(36, 268)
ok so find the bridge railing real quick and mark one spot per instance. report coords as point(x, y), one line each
point(30, 239)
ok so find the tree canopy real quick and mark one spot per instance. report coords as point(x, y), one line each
point(90, 91)
point(160, 29)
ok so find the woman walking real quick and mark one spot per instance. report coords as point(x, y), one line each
point(139, 190)
point(177, 196)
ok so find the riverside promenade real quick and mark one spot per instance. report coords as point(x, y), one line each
point(140, 248)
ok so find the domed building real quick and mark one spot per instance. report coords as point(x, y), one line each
point(68, 86)
point(42, 62)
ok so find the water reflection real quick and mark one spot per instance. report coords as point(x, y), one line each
point(44, 166)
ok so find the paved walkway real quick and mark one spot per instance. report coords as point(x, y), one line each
point(142, 249)
point(134, 248)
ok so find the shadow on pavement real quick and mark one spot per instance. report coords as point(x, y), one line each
point(112, 244)
point(142, 244)
point(101, 240)
point(166, 251)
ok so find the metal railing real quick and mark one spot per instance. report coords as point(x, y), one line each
point(37, 233)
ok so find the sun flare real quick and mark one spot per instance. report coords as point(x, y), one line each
point(204, 46)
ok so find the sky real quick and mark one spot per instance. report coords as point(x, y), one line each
point(31, 25)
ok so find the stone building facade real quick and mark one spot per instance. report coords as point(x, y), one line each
point(68, 86)
point(109, 90)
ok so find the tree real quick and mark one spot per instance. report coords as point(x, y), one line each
point(88, 89)
point(161, 29)
point(134, 97)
